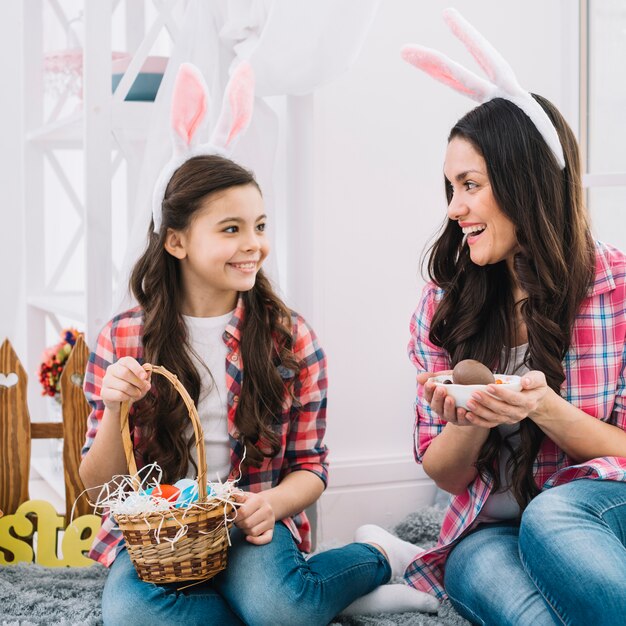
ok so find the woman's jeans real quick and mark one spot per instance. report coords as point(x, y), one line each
point(565, 563)
point(269, 585)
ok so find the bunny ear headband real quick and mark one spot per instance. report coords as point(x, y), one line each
point(501, 84)
point(189, 112)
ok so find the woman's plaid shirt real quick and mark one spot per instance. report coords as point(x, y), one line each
point(302, 426)
point(595, 382)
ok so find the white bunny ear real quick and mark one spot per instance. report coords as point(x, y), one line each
point(189, 108)
point(502, 82)
point(237, 108)
point(490, 60)
point(448, 72)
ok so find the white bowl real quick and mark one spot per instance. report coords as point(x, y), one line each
point(462, 393)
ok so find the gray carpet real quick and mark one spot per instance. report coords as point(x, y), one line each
point(31, 595)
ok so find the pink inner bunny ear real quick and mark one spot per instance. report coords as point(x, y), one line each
point(446, 71)
point(189, 106)
point(237, 107)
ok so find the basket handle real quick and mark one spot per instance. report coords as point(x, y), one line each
point(193, 416)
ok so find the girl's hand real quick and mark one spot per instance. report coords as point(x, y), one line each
point(124, 381)
point(504, 406)
point(443, 405)
point(255, 517)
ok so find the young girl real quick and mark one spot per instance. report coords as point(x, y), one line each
point(535, 532)
point(258, 377)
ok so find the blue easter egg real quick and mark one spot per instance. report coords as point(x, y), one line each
point(187, 496)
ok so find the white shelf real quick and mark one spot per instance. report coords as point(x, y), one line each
point(133, 118)
point(70, 305)
point(103, 133)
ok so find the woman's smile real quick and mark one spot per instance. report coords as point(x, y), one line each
point(472, 231)
point(488, 232)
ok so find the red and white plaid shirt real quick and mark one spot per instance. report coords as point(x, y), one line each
point(595, 382)
point(302, 430)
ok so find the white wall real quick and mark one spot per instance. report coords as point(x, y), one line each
point(380, 136)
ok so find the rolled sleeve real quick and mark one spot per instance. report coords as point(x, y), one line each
point(426, 357)
point(305, 449)
point(97, 365)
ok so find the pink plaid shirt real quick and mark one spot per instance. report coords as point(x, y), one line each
point(595, 382)
point(302, 427)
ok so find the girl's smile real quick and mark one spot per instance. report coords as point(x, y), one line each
point(221, 251)
point(247, 267)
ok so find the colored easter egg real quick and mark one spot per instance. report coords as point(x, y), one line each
point(187, 496)
point(167, 492)
point(183, 483)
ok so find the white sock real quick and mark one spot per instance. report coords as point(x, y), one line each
point(393, 599)
point(400, 554)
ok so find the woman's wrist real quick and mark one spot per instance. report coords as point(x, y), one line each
point(546, 408)
point(468, 432)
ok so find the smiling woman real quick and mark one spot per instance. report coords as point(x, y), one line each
point(533, 532)
point(518, 284)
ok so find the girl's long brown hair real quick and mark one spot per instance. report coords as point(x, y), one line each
point(266, 337)
point(555, 266)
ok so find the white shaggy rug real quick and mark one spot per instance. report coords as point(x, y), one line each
point(32, 595)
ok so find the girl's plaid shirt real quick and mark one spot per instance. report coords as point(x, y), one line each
point(595, 382)
point(302, 426)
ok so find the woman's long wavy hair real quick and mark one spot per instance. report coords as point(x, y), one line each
point(266, 337)
point(555, 266)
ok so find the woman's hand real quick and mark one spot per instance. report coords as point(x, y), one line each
point(504, 406)
point(440, 402)
point(124, 381)
point(255, 517)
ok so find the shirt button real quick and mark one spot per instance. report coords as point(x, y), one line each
point(234, 358)
point(235, 399)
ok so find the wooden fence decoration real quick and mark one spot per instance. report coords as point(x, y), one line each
point(75, 411)
point(17, 431)
point(14, 431)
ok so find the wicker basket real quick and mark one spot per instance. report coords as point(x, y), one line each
point(201, 553)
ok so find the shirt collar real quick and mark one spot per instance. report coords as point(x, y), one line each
point(233, 327)
point(604, 280)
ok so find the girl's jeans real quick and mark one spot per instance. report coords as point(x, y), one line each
point(565, 563)
point(270, 585)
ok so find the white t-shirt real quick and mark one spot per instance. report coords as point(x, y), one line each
point(205, 337)
point(501, 505)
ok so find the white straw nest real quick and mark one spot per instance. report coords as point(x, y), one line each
point(130, 495)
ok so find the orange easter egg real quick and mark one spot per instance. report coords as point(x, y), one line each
point(168, 492)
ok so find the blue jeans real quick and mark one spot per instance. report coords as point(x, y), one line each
point(565, 563)
point(270, 585)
